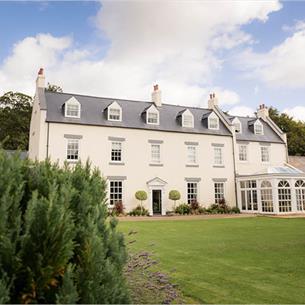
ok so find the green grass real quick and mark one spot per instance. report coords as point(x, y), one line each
point(245, 260)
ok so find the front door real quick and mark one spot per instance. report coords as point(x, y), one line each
point(156, 201)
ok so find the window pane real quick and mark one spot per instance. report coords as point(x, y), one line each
point(116, 151)
point(116, 191)
point(191, 192)
point(72, 149)
point(219, 191)
point(191, 155)
point(114, 114)
point(217, 155)
point(155, 153)
point(152, 118)
point(72, 110)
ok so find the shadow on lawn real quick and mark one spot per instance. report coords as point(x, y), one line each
point(146, 284)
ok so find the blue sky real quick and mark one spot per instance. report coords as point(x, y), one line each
point(247, 52)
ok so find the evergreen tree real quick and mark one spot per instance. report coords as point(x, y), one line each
point(56, 245)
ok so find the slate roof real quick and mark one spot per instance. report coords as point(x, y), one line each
point(248, 135)
point(298, 162)
point(93, 113)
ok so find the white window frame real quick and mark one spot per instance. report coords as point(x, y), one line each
point(152, 110)
point(153, 153)
point(249, 195)
point(260, 131)
point(242, 155)
point(72, 102)
point(187, 119)
point(211, 125)
point(114, 106)
point(191, 154)
point(284, 196)
point(110, 193)
point(235, 122)
point(217, 149)
point(300, 195)
point(112, 153)
point(217, 191)
point(265, 154)
point(267, 197)
point(72, 141)
point(194, 194)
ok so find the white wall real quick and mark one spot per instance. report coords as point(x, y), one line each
point(277, 156)
point(136, 156)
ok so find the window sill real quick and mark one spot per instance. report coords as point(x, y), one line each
point(218, 166)
point(156, 164)
point(116, 163)
point(192, 165)
point(72, 161)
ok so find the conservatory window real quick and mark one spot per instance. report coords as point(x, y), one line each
point(300, 194)
point(266, 197)
point(248, 195)
point(284, 192)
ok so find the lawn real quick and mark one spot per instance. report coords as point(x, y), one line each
point(245, 260)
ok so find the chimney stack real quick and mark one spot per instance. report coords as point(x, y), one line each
point(40, 81)
point(213, 101)
point(156, 96)
point(262, 111)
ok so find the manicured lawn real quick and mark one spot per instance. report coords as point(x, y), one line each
point(246, 260)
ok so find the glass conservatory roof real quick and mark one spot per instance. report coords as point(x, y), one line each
point(280, 170)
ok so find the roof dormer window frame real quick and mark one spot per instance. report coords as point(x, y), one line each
point(72, 102)
point(190, 122)
point(235, 122)
point(111, 116)
point(213, 125)
point(258, 128)
point(155, 119)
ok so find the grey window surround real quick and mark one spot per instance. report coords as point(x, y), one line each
point(72, 161)
point(191, 143)
point(118, 139)
point(155, 141)
point(120, 178)
point(220, 179)
point(192, 179)
point(156, 164)
point(264, 144)
point(219, 166)
point(243, 142)
point(116, 163)
point(72, 136)
point(217, 145)
point(192, 165)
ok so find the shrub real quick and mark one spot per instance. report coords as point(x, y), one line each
point(56, 245)
point(141, 195)
point(194, 206)
point(174, 195)
point(183, 209)
point(139, 211)
point(118, 209)
point(235, 210)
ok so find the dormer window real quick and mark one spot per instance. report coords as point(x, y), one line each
point(187, 119)
point(114, 112)
point(152, 115)
point(72, 108)
point(258, 128)
point(237, 125)
point(213, 121)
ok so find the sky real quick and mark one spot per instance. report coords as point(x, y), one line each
point(247, 52)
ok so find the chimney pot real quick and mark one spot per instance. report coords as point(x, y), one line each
point(156, 87)
point(40, 72)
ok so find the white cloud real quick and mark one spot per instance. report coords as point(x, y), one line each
point(174, 44)
point(241, 111)
point(297, 112)
point(283, 66)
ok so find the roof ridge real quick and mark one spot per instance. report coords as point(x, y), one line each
point(127, 100)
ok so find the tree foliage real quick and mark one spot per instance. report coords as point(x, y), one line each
point(174, 195)
point(295, 131)
point(15, 117)
point(55, 243)
point(54, 88)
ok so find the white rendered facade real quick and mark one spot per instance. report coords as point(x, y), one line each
point(205, 167)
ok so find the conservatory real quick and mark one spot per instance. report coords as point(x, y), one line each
point(276, 190)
